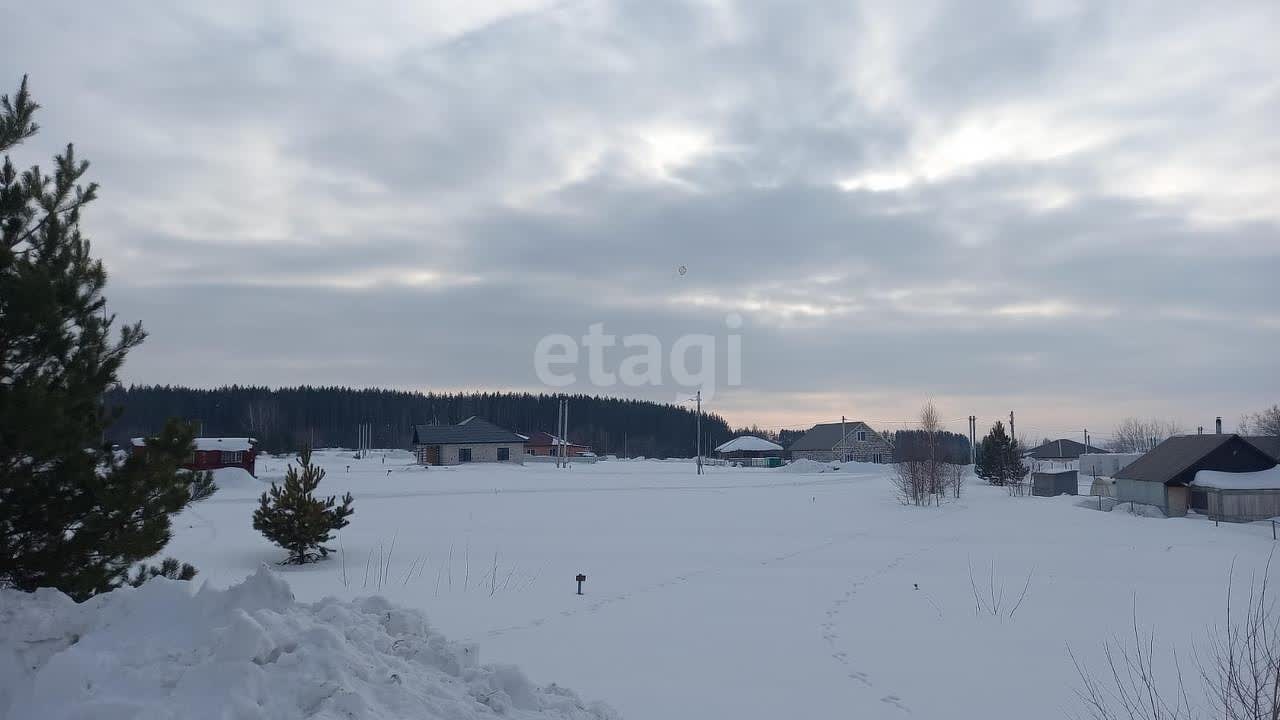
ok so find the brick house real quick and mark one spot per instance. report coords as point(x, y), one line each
point(472, 440)
point(215, 453)
point(826, 443)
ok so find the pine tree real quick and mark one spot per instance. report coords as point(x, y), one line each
point(73, 515)
point(293, 518)
point(1000, 458)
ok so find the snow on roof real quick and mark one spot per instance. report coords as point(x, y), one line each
point(540, 438)
point(204, 443)
point(1259, 480)
point(749, 443)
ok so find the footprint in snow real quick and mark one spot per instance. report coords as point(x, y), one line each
point(895, 701)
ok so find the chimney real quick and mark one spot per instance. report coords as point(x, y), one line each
point(1218, 425)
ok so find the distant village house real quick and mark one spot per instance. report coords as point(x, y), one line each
point(215, 453)
point(472, 440)
point(1217, 475)
point(544, 444)
point(749, 447)
point(853, 441)
point(1063, 450)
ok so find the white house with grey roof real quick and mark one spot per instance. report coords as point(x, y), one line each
point(472, 440)
point(852, 441)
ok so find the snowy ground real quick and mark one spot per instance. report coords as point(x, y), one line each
point(749, 593)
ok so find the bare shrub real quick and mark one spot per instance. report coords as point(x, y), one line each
point(921, 474)
point(1130, 688)
point(1240, 670)
point(992, 600)
point(1266, 422)
point(1139, 435)
point(953, 478)
point(1243, 668)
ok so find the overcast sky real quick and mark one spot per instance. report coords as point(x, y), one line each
point(1067, 209)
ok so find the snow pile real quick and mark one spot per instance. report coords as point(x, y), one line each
point(1260, 480)
point(1139, 509)
point(805, 465)
point(234, 478)
point(250, 651)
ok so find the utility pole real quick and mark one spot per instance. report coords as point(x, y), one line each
point(699, 425)
point(1013, 435)
point(556, 434)
point(843, 445)
point(973, 432)
point(564, 439)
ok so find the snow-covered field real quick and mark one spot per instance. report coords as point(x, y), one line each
point(749, 593)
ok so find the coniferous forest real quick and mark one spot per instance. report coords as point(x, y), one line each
point(285, 419)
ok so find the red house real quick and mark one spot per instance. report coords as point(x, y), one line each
point(214, 453)
point(541, 443)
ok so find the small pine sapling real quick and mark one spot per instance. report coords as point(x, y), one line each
point(169, 568)
point(290, 515)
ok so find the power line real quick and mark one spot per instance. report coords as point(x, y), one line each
point(805, 425)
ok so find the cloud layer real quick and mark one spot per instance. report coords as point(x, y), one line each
point(1068, 209)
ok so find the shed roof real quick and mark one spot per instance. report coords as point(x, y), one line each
point(472, 430)
point(1178, 454)
point(1269, 444)
point(540, 439)
point(1061, 449)
point(826, 436)
point(204, 444)
point(749, 443)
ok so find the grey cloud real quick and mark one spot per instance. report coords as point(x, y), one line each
point(414, 211)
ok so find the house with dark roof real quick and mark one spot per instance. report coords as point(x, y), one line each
point(472, 440)
point(1165, 475)
point(1269, 444)
point(852, 441)
point(1061, 450)
point(546, 445)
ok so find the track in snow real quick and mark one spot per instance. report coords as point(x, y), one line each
point(678, 580)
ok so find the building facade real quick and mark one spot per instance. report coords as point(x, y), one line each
point(852, 441)
point(473, 440)
point(544, 444)
point(215, 453)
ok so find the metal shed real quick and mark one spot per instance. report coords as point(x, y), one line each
point(1049, 484)
point(1237, 497)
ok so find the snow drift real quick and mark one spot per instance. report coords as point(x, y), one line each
point(250, 651)
point(235, 479)
point(805, 465)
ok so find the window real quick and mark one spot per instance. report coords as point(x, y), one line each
point(504, 454)
point(464, 455)
point(862, 436)
point(876, 457)
point(232, 458)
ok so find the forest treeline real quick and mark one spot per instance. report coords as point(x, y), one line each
point(285, 419)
